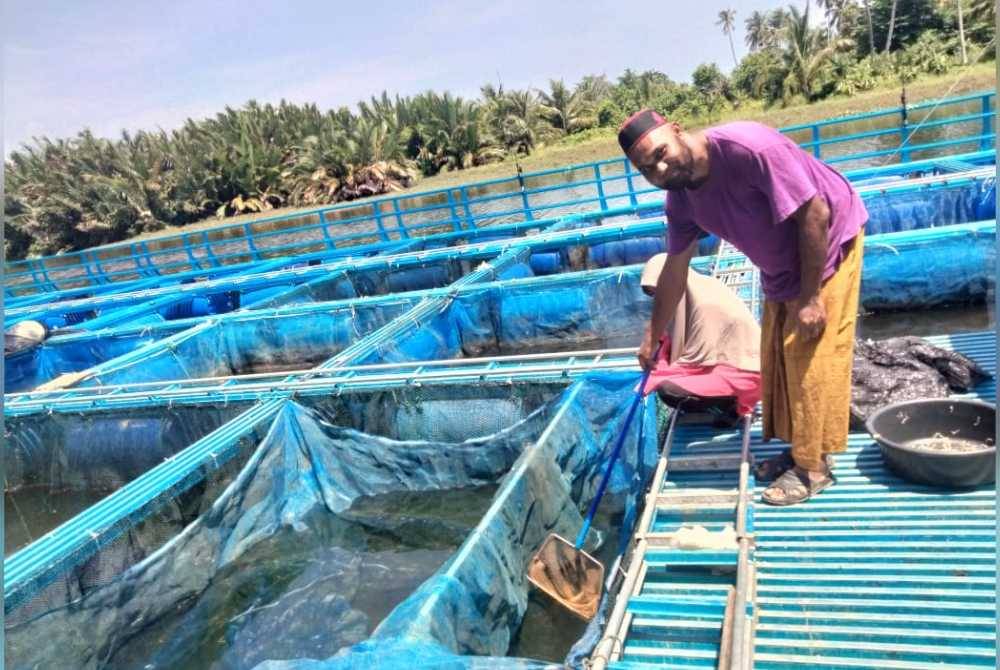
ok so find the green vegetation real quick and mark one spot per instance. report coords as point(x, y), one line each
point(84, 191)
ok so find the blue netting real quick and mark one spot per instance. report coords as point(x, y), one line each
point(474, 604)
point(928, 268)
point(592, 312)
point(265, 342)
point(927, 208)
point(906, 270)
point(286, 557)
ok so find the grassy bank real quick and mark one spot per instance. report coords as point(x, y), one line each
point(600, 143)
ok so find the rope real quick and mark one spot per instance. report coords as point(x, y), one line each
point(942, 99)
point(20, 515)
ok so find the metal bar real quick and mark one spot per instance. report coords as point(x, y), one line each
point(528, 214)
point(491, 363)
point(891, 130)
point(190, 254)
point(913, 148)
point(740, 659)
point(248, 234)
point(607, 651)
point(464, 193)
point(377, 213)
point(987, 126)
point(330, 244)
point(600, 186)
point(726, 642)
point(307, 386)
point(628, 180)
point(887, 112)
point(403, 232)
point(456, 222)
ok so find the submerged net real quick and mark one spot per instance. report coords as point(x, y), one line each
point(282, 340)
point(598, 311)
point(318, 519)
point(56, 465)
point(475, 604)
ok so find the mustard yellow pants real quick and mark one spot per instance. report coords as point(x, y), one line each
point(807, 385)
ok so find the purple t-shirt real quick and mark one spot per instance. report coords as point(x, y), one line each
point(757, 179)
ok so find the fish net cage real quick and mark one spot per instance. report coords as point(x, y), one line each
point(293, 530)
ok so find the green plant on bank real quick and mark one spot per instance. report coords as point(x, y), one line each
point(84, 191)
point(808, 56)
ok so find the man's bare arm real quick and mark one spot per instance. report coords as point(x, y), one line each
point(669, 288)
point(813, 220)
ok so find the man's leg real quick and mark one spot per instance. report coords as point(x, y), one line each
point(819, 384)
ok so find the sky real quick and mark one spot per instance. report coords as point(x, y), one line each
point(114, 65)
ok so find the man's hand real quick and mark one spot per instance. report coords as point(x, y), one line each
point(811, 319)
point(646, 351)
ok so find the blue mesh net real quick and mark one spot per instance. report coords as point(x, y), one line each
point(307, 542)
point(566, 311)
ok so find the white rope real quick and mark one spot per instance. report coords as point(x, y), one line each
point(943, 98)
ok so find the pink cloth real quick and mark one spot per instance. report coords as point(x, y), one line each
point(757, 179)
point(714, 381)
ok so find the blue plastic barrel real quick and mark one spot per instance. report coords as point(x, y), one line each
point(548, 263)
point(185, 309)
point(641, 249)
point(607, 254)
point(225, 302)
point(417, 279)
point(627, 252)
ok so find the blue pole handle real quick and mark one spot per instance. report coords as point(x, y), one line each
point(585, 529)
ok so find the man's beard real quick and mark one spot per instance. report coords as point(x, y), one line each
point(683, 175)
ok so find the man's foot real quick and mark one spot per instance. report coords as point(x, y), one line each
point(771, 468)
point(796, 486)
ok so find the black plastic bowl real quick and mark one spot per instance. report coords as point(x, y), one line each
point(895, 425)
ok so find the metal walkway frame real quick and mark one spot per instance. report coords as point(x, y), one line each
point(873, 573)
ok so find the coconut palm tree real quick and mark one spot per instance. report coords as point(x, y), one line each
point(777, 20)
point(807, 53)
point(511, 117)
point(834, 11)
point(758, 31)
point(871, 25)
point(892, 25)
point(593, 89)
point(564, 109)
point(961, 32)
point(981, 19)
point(984, 10)
point(727, 21)
point(452, 134)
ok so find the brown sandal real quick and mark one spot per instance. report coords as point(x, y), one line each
point(796, 488)
point(771, 468)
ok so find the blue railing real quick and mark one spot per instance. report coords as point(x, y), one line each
point(599, 185)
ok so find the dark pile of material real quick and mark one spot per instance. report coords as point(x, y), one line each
point(906, 368)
